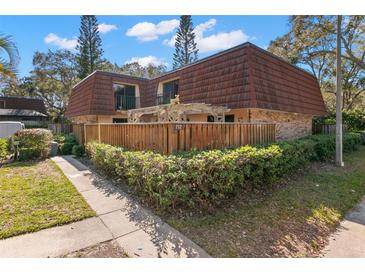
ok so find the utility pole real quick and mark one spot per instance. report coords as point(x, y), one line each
point(339, 149)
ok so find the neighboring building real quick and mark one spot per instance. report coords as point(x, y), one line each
point(253, 84)
point(29, 111)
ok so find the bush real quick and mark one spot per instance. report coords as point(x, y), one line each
point(105, 157)
point(66, 143)
point(59, 138)
point(70, 138)
point(363, 137)
point(26, 154)
point(208, 177)
point(4, 148)
point(354, 119)
point(36, 141)
point(78, 150)
point(66, 148)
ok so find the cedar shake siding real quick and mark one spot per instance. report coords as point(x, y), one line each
point(95, 96)
point(242, 77)
point(279, 85)
point(222, 80)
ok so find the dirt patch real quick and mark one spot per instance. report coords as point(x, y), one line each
point(109, 249)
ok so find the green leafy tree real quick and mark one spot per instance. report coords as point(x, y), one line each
point(311, 44)
point(17, 87)
point(186, 51)
point(90, 52)
point(53, 77)
point(135, 69)
point(150, 71)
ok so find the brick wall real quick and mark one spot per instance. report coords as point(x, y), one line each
point(289, 125)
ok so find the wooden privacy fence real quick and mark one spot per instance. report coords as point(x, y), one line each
point(326, 129)
point(167, 138)
point(60, 128)
point(78, 131)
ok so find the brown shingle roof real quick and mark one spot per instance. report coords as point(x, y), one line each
point(15, 102)
point(245, 76)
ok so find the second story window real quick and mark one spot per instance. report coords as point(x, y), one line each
point(2, 104)
point(125, 96)
point(169, 91)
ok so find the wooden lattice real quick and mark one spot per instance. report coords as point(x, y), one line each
point(177, 112)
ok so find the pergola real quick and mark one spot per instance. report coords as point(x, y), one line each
point(176, 112)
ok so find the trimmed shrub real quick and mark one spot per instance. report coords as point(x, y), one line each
point(105, 157)
point(66, 143)
point(26, 154)
point(208, 177)
point(66, 148)
point(36, 141)
point(78, 150)
point(4, 148)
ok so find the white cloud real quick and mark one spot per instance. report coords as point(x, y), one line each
point(145, 61)
point(62, 43)
point(201, 28)
point(219, 41)
point(170, 42)
point(146, 31)
point(105, 28)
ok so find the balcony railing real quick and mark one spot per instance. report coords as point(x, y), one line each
point(162, 100)
point(159, 100)
point(126, 102)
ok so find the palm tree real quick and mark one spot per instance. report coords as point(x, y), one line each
point(8, 65)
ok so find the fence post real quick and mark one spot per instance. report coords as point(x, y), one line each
point(99, 132)
point(84, 126)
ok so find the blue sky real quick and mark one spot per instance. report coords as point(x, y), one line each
point(144, 39)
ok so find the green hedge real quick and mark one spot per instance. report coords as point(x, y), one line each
point(4, 148)
point(354, 119)
point(207, 177)
point(33, 143)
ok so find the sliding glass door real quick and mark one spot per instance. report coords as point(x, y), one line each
point(125, 96)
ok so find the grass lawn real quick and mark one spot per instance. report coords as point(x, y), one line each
point(293, 219)
point(37, 195)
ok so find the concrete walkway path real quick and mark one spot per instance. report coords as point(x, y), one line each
point(349, 239)
point(119, 217)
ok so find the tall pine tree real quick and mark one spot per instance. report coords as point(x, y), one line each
point(89, 57)
point(185, 46)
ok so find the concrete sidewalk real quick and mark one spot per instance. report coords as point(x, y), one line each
point(119, 217)
point(56, 241)
point(349, 239)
